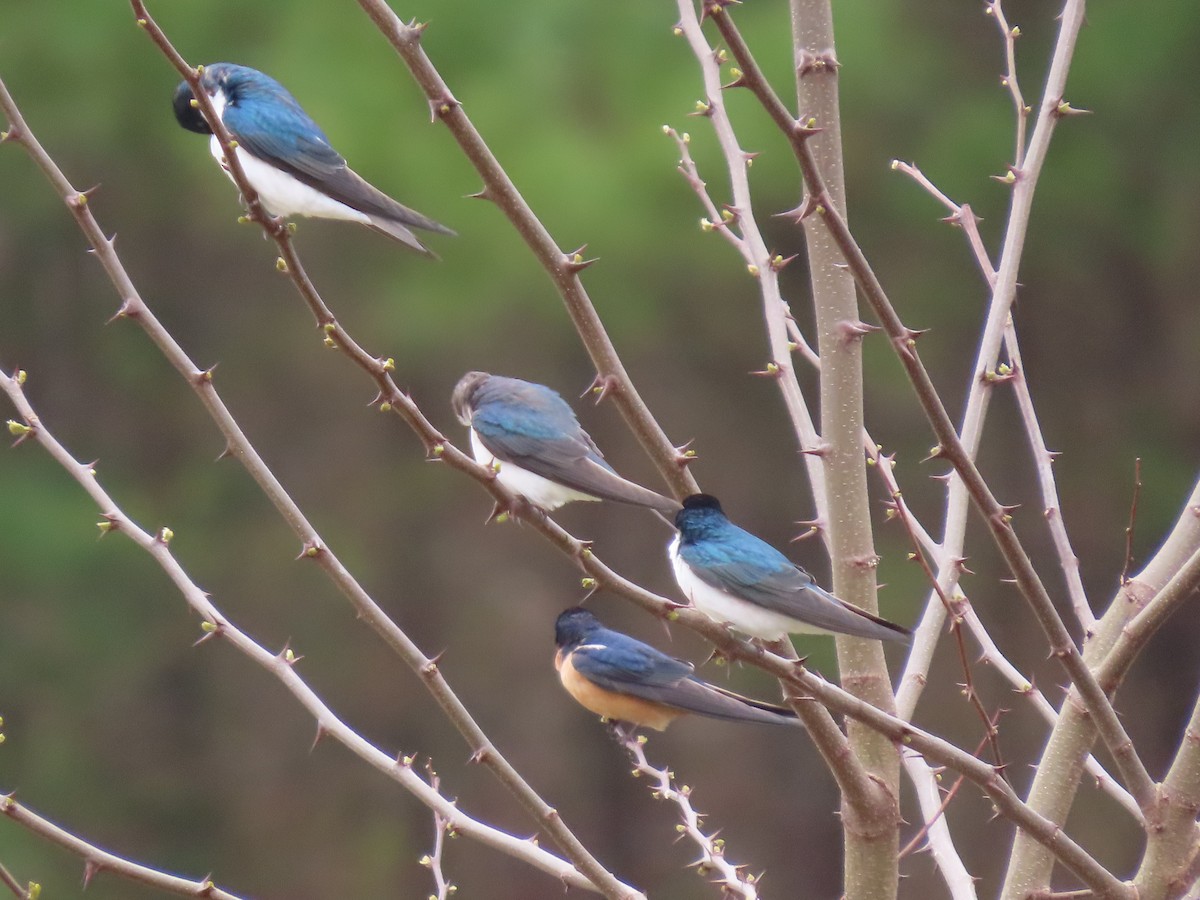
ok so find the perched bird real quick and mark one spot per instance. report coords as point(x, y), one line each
point(288, 159)
point(620, 678)
point(541, 451)
point(736, 578)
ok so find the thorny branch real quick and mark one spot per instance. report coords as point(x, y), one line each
point(21, 893)
point(282, 665)
point(96, 860)
point(950, 447)
point(563, 268)
point(733, 881)
point(314, 547)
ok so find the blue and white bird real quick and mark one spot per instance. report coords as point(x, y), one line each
point(738, 579)
point(288, 159)
point(620, 678)
point(532, 438)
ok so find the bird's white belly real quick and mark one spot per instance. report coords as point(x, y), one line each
point(746, 617)
point(537, 490)
point(285, 195)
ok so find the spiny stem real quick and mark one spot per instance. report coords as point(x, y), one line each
point(97, 860)
point(562, 268)
point(733, 881)
point(1133, 507)
point(283, 665)
point(314, 547)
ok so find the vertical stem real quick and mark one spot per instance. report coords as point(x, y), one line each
point(872, 844)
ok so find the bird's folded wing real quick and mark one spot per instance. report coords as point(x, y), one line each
point(773, 582)
point(282, 134)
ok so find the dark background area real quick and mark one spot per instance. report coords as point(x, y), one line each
point(195, 761)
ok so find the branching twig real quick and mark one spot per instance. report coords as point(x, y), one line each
point(1133, 507)
point(997, 517)
point(733, 881)
point(990, 732)
point(32, 892)
point(433, 861)
point(96, 860)
point(1009, 79)
point(964, 218)
point(282, 664)
point(563, 268)
point(314, 547)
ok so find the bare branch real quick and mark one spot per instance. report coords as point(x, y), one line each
point(314, 547)
point(733, 881)
point(96, 860)
point(282, 665)
point(995, 8)
point(433, 861)
point(759, 262)
point(22, 893)
point(562, 268)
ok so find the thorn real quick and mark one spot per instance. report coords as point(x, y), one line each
point(1010, 177)
point(418, 28)
point(210, 629)
point(483, 194)
point(817, 63)
point(905, 345)
point(684, 455)
point(310, 550)
point(803, 211)
point(204, 376)
point(574, 261)
point(1064, 109)
point(441, 107)
point(90, 869)
point(124, 311)
point(820, 451)
point(601, 387)
point(772, 370)
point(321, 732)
point(704, 109)
point(778, 263)
point(851, 331)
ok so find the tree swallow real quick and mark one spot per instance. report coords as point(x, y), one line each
point(620, 678)
point(532, 436)
point(288, 159)
point(738, 579)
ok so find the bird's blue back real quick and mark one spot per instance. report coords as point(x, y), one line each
point(708, 539)
point(268, 121)
point(613, 657)
point(526, 417)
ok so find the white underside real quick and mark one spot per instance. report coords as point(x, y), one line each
point(721, 606)
point(284, 195)
point(537, 490)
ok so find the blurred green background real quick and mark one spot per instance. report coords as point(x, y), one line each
point(196, 761)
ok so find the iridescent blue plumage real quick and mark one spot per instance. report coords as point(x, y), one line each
point(737, 578)
point(542, 451)
point(288, 159)
point(619, 677)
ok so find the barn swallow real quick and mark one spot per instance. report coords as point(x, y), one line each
point(288, 159)
point(735, 578)
point(532, 436)
point(620, 678)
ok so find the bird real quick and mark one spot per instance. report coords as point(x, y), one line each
point(532, 438)
point(740, 580)
point(288, 159)
point(622, 679)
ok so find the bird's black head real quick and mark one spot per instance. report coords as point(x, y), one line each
point(573, 626)
point(696, 502)
point(462, 400)
point(187, 115)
